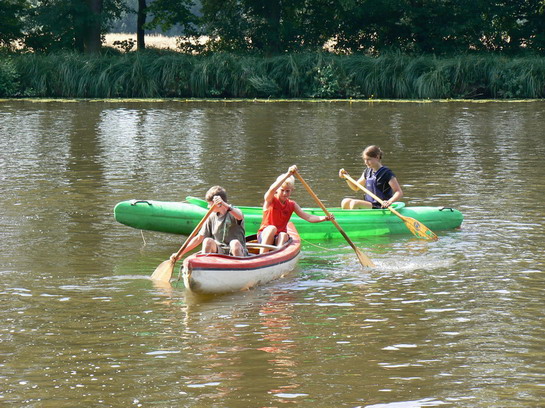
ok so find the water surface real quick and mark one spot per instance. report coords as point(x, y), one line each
point(457, 322)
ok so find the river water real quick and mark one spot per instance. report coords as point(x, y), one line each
point(457, 322)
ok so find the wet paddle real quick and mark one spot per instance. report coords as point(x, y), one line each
point(416, 227)
point(164, 271)
point(364, 260)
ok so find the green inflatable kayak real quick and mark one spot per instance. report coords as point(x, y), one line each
point(183, 217)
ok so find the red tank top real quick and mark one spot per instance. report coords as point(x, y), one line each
point(277, 214)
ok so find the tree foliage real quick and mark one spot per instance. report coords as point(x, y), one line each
point(268, 26)
point(274, 27)
point(70, 25)
point(440, 26)
point(168, 13)
point(12, 14)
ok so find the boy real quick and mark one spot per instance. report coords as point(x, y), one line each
point(277, 210)
point(223, 232)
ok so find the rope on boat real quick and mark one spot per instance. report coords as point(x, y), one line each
point(317, 246)
point(179, 275)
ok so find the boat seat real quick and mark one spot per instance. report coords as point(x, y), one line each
point(258, 245)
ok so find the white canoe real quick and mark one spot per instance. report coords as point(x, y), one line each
point(214, 273)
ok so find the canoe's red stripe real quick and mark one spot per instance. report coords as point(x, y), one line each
point(240, 265)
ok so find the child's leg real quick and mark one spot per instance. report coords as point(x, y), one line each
point(267, 237)
point(352, 204)
point(236, 248)
point(209, 246)
point(282, 239)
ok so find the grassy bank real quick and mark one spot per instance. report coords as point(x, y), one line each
point(155, 74)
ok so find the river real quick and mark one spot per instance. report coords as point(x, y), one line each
point(457, 322)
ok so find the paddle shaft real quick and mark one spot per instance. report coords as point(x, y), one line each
point(196, 230)
point(347, 176)
point(164, 271)
point(364, 260)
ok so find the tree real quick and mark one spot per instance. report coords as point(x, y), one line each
point(70, 24)
point(443, 26)
point(92, 27)
point(165, 14)
point(516, 24)
point(12, 14)
point(268, 26)
point(273, 27)
point(440, 26)
point(168, 13)
point(141, 15)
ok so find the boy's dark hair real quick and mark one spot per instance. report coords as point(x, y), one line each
point(216, 191)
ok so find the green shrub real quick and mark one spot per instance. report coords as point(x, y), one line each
point(152, 74)
point(9, 79)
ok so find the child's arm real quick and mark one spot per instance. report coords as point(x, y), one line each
point(235, 211)
point(269, 195)
point(352, 186)
point(311, 217)
point(196, 240)
point(398, 193)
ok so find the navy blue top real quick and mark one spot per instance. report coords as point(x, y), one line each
point(378, 183)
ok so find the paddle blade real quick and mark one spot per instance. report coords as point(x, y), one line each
point(364, 259)
point(419, 230)
point(164, 271)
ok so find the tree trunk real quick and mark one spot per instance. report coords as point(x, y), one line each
point(140, 21)
point(93, 30)
point(273, 16)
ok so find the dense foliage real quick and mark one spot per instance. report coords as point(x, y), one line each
point(297, 75)
point(273, 27)
point(373, 26)
point(12, 24)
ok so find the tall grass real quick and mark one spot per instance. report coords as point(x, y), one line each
point(154, 74)
point(9, 79)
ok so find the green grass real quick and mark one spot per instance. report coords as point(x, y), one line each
point(306, 75)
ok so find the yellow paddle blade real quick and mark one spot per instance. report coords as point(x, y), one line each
point(364, 259)
point(419, 230)
point(164, 271)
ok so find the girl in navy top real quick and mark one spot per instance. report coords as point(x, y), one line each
point(378, 179)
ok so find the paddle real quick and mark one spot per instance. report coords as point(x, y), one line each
point(415, 226)
point(164, 271)
point(364, 260)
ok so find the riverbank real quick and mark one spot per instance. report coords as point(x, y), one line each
point(169, 74)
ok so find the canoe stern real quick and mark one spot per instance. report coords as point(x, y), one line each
point(161, 216)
